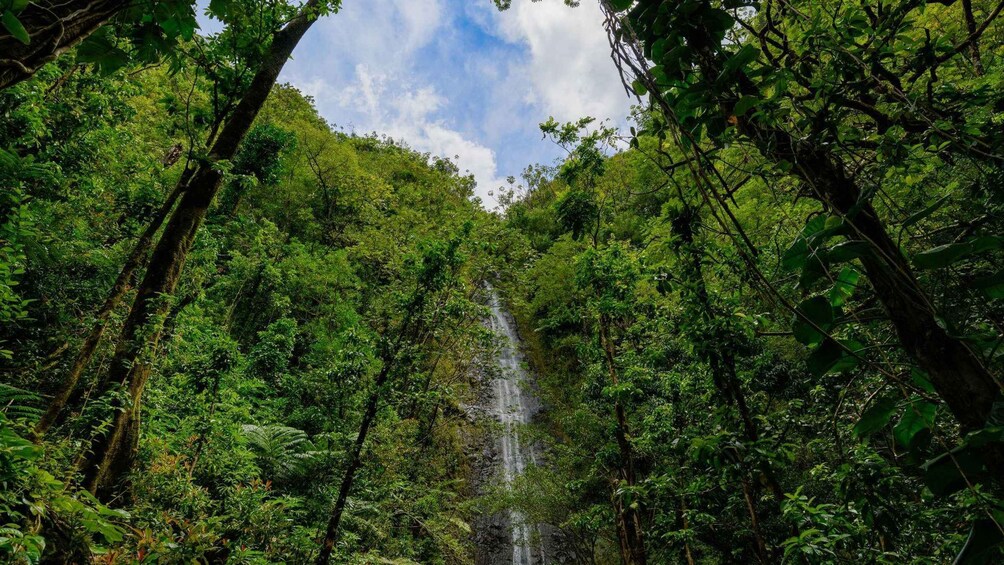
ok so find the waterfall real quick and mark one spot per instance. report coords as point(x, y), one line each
point(514, 407)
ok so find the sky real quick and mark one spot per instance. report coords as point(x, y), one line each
point(459, 79)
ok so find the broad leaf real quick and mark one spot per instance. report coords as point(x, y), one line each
point(844, 286)
point(14, 26)
point(876, 417)
point(919, 415)
point(945, 255)
point(818, 319)
point(992, 286)
point(925, 212)
point(745, 104)
point(833, 357)
point(848, 251)
point(984, 537)
point(944, 474)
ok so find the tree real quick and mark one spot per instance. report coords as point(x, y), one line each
point(726, 86)
point(111, 454)
point(436, 274)
point(35, 33)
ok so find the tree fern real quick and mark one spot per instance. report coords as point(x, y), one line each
point(20, 404)
point(283, 453)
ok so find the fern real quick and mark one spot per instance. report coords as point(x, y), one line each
point(19, 404)
point(283, 452)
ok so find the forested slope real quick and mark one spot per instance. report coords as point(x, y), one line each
point(783, 338)
point(765, 324)
point(326, 260)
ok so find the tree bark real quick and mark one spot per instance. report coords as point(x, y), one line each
point(629, 525)
point(974, 45)
point(719, 356)
point(390, 358)
point(111, 455)
point(959, 377)
point(722, 363)
point(118, 291)
point(355, 460)
point(54, 28)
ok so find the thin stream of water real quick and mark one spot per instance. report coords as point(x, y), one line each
point(514, 408)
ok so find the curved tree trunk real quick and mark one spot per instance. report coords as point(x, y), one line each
point(118, 291)
point(630, 530)
point(960, 378)
point(54, 27)
point(111, 455)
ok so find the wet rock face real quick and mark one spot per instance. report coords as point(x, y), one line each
point(505, 538)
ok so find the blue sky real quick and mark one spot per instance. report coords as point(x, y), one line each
point(458, 78)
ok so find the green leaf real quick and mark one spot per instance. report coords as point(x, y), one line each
point(844, 286)
point(815, 268)
point(99, 49)
point(848, 251)
point(794, 257)
point(639, 88)
point(796, 254)
point(953, 471)
point(832, 357)
point(744, 104)
point(659, 49)
point(817, 313)
point(876, 417)
point(919, 415)
point(942, 474)
point(719, 21)
point(985, 436)
point(15, 28)
point(219, 8)
point(17, 6)
point(738, 61)
point(913, 219)
point(991, 286)
point(621, 5)
point(921, 380)
point(945, 255)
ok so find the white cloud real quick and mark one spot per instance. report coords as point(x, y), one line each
point(389, 106)
point(458, 79)
point(380, 32)
point(569, 63)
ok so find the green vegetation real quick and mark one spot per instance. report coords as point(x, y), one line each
point(766, 327)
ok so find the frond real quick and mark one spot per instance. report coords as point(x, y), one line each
point(19, 404)
point(283, 452)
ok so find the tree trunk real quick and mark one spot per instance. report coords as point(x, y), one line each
point(355, 460)
point(719, 356)
point(111, 455)
point(54, 27)
point(687, 554)
point(974, 45)
point(722, 363)
point(406, 333)
point(629, 526)
point(959, 377)
point(90, 344)
point(761, 546)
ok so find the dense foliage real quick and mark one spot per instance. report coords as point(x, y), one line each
point(783, 340)
point(326, 259)
point(765, 327)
